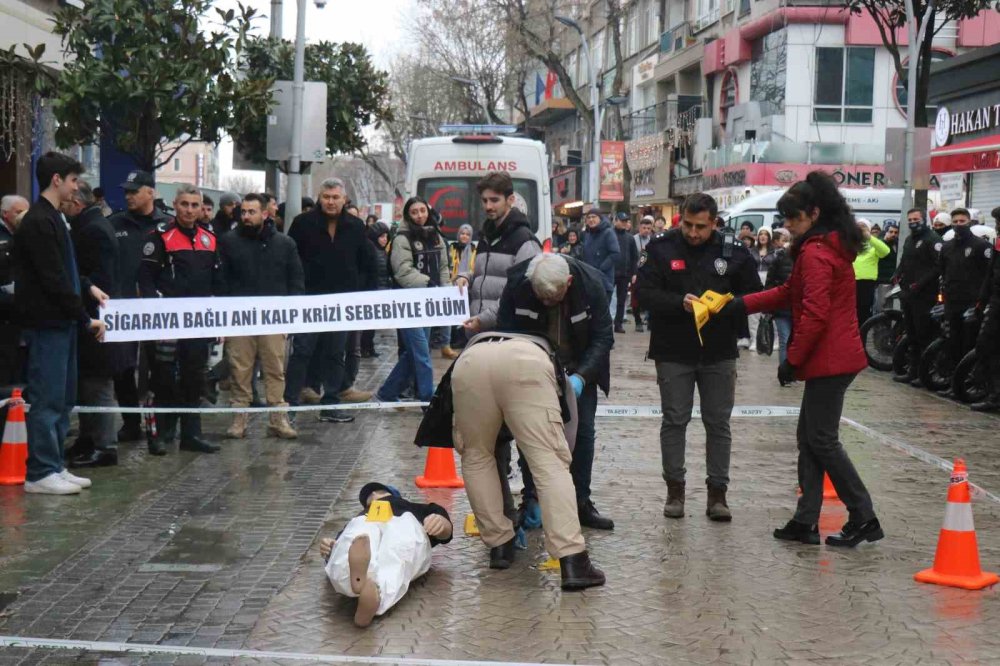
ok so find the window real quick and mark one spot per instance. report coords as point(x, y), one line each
point(729, 95)
point(177, 164)
point(457, 200)
point(652, 23)
point(597, 44)
point(844, 85)
point(632, 39)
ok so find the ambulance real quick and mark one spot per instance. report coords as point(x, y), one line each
point(444, 171)
point(878, 206)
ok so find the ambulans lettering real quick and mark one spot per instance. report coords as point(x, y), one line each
point(476, 165)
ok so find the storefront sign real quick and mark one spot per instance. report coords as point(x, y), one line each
point(783, 175)
point(566, 187)
point(952, 186)
point(643, 72)
point(612, 173)
point(644, 192)
point(951, 124)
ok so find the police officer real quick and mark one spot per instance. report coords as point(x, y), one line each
point(11, 357)
point(132, 226)
point(988, 342)
point(917, 276)
point(676, 268)
point(180, 260)
point(964, 264)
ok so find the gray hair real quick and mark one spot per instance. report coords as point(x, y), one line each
point(7, 202)
point(84, 194)
point(548, 274)
point(186, 188)
point(332, 184)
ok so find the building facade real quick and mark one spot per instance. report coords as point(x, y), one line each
point(736, 97)
point(195, 163)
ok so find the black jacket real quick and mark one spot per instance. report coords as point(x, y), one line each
point(6, 274)
point(97, 259)
point(44, 296)
point(672, 269)
point(383, 271)
point(333, 265)
point(260, 264)
point(588, 318)
point(222, 224)
point(179, 262)
point(628, 259)
point(918, 269)
point(132, 231)
point(778, 274)
point(964, 265)
point(420, 511)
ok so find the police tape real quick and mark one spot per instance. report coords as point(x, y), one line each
point(649, 411)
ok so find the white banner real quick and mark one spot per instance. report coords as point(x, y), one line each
point(176, 318)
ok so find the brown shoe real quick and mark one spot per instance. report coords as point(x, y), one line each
point(280, 427)
point(354, 395)
point(238, 430)
point(449, 353)
point(674, 508)
point(717, 509)
point(309, 397)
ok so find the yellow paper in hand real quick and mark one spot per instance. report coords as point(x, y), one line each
point(701, 313)
point(715, 301)
point(379, 512)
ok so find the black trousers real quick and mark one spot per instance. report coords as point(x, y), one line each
point(865, 290)
point(177, 381)
point(621, 293)
point(960, 334)
point(820, 451)
point(917, 321)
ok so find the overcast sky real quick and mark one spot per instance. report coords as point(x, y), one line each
point(381, 25)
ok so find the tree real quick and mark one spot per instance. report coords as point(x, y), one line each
point(151, 73)
point(357, 93)
point(240, 184)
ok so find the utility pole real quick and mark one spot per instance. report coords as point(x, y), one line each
point(594, 104)
point(272, 178)
point(915, 42)
point(293, 198)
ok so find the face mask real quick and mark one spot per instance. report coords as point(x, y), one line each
point(915, 226)
point(963, 231)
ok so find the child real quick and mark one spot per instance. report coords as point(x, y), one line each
point(377, 561)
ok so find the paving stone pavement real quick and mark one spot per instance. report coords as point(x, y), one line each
point(687, 591)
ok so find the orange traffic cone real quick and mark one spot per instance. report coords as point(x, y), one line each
point(956, 562)
point(14, 449)
point(829, 492)
point(439, 471)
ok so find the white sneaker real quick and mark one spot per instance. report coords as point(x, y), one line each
point(75, 480)
point(53, 484)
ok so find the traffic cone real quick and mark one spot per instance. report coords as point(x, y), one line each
point(14, 449)
point(956, 562)
point(439, 470)
point(829, 492)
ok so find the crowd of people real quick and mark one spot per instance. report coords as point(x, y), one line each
point(536, 346)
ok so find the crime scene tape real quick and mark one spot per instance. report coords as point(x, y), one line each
point(649, 411)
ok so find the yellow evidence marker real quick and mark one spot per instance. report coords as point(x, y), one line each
point(471, 528)
point(379, 512)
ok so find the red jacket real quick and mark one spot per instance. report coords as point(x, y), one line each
point(821, 295)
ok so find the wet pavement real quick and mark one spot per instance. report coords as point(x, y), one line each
point(222, 551)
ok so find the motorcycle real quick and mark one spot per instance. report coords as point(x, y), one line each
point(881, 334)
point(937, 367)
point(971, 381)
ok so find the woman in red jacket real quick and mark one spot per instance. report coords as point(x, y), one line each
point(825, 351)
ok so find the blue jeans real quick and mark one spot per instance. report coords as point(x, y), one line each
point(582, 466)
point(51, 394)
point(325, 351)
point(414, 363)
point(783, 327)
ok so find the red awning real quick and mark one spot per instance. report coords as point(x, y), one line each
point(981, 154)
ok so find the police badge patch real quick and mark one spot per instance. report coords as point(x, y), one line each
point(206, 241)
point(148, 249)
point(418, 246)
point(968, 251)
point(642, 259)
point(938, 246)
point(721, 265)
point(919, 243)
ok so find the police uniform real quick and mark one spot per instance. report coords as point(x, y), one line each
point(918, 278)
point(176, 263)
point(669, 269)
point(11, 356)
point(964, 265)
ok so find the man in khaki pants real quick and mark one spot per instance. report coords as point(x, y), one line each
point(502, 379)
point(259, 261)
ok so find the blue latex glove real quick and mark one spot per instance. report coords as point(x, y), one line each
point(577, 383)
point(532, 519)
point(520, 539)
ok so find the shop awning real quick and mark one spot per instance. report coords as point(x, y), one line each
point(982, 154)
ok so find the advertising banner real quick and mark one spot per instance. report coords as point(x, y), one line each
point(612, 174)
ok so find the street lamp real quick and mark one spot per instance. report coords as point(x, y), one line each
point(472, 84)
point(596, 152)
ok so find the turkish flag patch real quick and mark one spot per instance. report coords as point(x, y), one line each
point(677, 265)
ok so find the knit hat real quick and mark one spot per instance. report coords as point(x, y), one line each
point(229, 198)
point(466, 227)
point(866, 222)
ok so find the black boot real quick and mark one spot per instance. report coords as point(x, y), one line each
point(502, 556)
point(157, 446)
point(590, 517)
point(105, 458)
point(796, 531)
point(198, 445)
point(130, 431)
point(578, 572)
point(990, 403)
point(854, 533)
point(904, 379)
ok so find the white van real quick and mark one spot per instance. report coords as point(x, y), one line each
point(444, 170)
point(879, 206)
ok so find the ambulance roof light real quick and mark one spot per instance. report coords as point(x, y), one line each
point(458, 129)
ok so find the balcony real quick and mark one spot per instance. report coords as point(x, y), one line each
point(669, 115)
